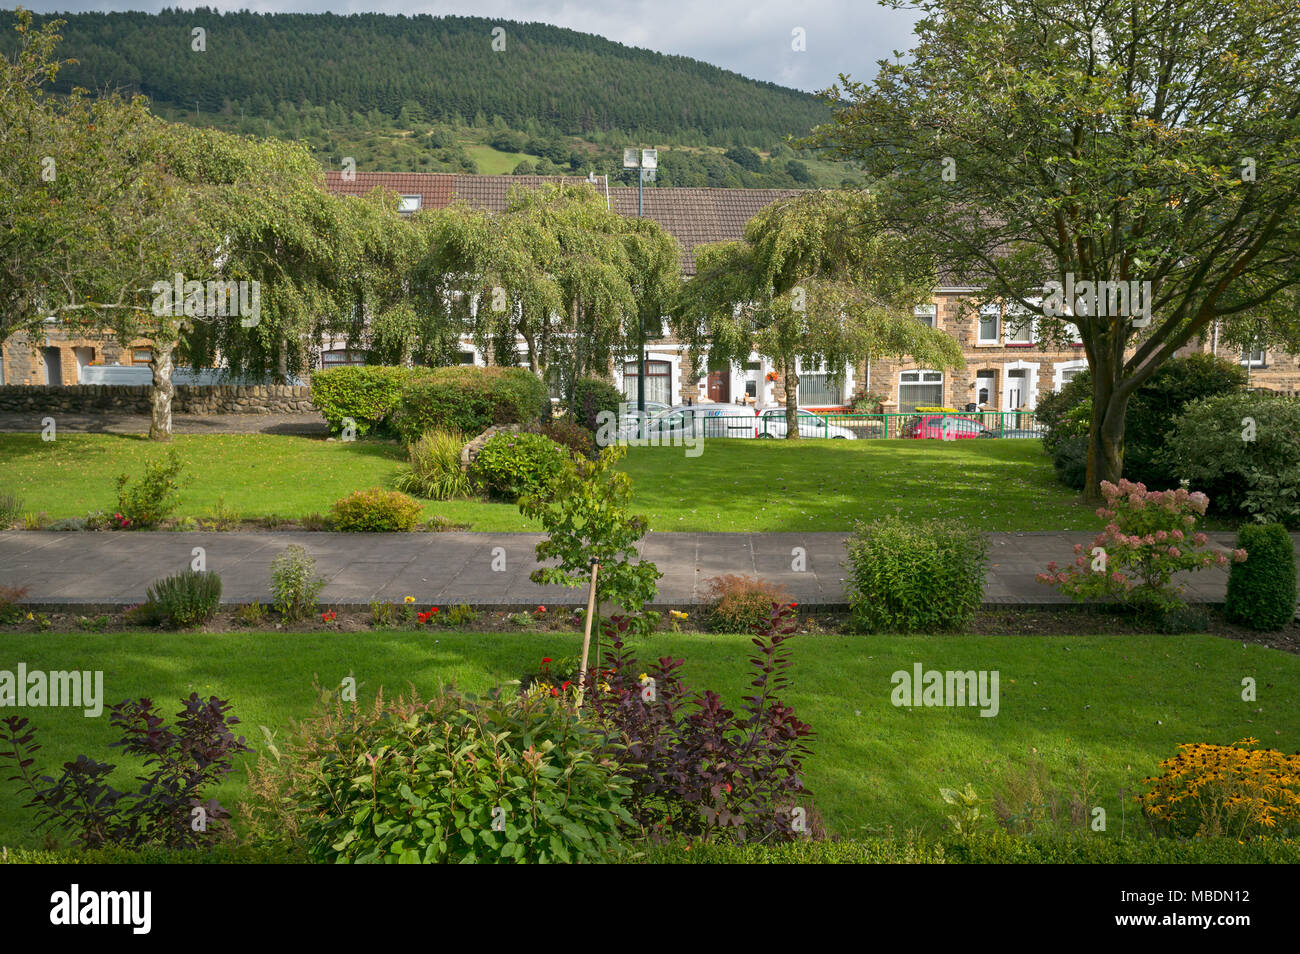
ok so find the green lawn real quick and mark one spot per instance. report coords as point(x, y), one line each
point(494, 162)
point(734, 485)
point(1120, 703)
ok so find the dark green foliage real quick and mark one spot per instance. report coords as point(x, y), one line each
point(1070, 458)
point(180, 765)
point(510, 466)
point(1262, 590)
point(1190, 618)
point(1151, 413)
point(747, 159)
point(590, 398)
point(915, 576)
point(368, 395)
point(1243, 451)
point(376, 511)
point(1156, 405)
point(470, 400)
point(184, 599)
point(212, 855)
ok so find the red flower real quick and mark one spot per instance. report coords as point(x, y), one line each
point(423, 617)
point(566, 685)
point(545, 660)
point(554, 691)
point(327, 617)
point(540, 609)
point(793, 605)
point(727, 786)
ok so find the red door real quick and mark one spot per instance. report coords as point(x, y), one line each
point(719, 387)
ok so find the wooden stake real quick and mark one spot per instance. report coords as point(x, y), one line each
point(586, 633)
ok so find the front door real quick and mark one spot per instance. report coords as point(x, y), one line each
point(720, 387)
point(1015, 391)
point(53, 366)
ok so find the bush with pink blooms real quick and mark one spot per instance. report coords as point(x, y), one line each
point(1149, 536)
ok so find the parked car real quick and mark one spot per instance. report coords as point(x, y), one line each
point(1022, 433)
point(703, 420)
point(629, 420)
point(944, 427)
point(771, 423)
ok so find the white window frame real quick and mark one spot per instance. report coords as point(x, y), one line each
point(920, 373)
point(927, 315)
point(846, 382)
point(1014, 312)
point(409, 204)
point(1061, 367)
point(989, 311)
point(1248, 359)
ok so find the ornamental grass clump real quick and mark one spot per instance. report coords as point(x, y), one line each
point(1237, 790)
point(1149, 536)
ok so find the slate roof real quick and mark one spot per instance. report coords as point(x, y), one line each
point(693, 216)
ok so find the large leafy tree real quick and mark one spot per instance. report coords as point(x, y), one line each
point(1026, 142)
point(815, 279)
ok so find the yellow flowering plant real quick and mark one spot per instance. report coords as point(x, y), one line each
point(1237, 790)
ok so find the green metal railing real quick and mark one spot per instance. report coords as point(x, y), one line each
point(946, 425)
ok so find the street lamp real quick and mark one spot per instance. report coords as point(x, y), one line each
point(646, 165)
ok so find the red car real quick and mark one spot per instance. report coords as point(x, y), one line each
point(945, 427)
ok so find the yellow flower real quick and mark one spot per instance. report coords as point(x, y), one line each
point(678, 614)
point(643, 678)
point(409, 599)
point(30, 616)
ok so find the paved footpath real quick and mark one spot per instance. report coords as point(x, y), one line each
point(488, 570)
point(117, 422)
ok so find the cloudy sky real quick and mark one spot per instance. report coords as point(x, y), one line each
point(752, 37)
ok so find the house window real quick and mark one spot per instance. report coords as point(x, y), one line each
point(1020, 327)
point(341, 356)
point(816, 389)
point(141, 355)
point(465, 357)
point(1069, 374)
point(919, 389)
point(926, 314)
point(658, 375)
point(985, 386)
point(408, 204)
point(989, 319)
point(1254, 359)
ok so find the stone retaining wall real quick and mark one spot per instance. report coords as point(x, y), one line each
point(134, 399)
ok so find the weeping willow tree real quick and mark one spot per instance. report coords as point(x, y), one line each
point(815, 279)
point(577, 283)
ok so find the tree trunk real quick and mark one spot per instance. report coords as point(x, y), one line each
point(160, 423)
point(282, 363)
point(791, 403)
point(1105, 435)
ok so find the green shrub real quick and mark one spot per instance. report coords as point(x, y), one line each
point(455, 779)
point(186, 598)
point(915, 575)
point(294, 582)
point(580, 441)
point(209, 855)
point(1243, 451)
point(470, 400)
point(511, 466)
point(367, 394)
point(1262, 590)
point(736, 604)
point(434, 471)
point(590, 398)
point(376, 511)
point(155, 497)
point(11, 508)
point(1070, 459)
point(1152, 409)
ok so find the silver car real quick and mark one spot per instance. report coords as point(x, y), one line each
point(771, 423)
point(703, 420)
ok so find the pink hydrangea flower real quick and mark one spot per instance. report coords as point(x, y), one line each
point(1238, 556)
point(1200, 539)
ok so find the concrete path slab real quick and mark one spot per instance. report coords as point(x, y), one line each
point(491, 570)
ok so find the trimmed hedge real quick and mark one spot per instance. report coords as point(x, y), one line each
point(986, 848)
point(368, 394)
point(910, 576)
point(1262, 590)
point(376, 511)
point(470, 400)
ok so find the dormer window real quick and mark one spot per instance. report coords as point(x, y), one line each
point(408, 204)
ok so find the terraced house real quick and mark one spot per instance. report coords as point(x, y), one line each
point(1007, 367)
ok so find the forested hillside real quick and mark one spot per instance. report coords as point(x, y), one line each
point(444, 67)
